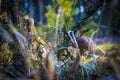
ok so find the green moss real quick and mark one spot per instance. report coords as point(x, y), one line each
point(109, 46)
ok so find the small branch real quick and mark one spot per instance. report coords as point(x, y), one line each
point(88, 13)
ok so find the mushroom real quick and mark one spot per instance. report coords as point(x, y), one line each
point(86, 43)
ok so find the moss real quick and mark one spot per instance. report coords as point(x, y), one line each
point(5, 54)
point(110, 48)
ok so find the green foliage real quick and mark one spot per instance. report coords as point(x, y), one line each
point(51, 16)
point(66, 4)
point(76, 11)
point(65, 16)
point(69, 11)
point(92, 25)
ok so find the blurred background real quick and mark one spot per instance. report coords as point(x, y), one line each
point(60, 39)
point(107, 17)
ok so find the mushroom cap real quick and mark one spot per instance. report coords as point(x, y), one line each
point(86, 43)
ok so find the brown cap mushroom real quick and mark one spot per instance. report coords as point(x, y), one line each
point(86, 43)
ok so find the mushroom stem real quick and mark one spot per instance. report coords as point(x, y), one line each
point(76, 62)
